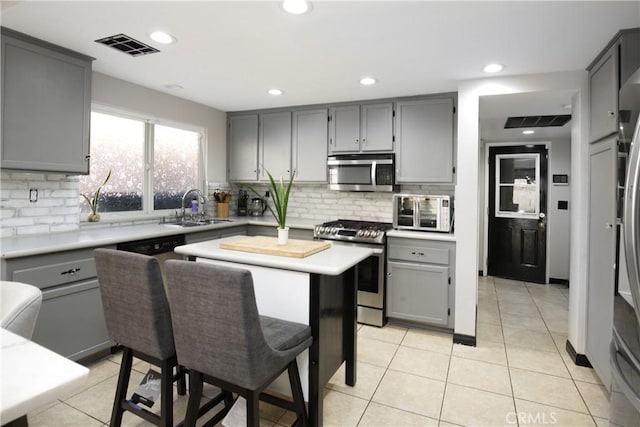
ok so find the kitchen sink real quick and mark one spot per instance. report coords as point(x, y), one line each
point(200, 222)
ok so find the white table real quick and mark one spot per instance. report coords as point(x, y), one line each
point(32, 376)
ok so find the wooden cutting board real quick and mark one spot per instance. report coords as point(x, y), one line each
point(269, 245)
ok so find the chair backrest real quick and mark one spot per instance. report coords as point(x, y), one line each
point(216, 322)
point(19, 307)
point(135, 304)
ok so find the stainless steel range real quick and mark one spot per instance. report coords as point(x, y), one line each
point(371, 271)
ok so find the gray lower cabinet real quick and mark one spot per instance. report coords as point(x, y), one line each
point(272, 231)
point(425, 140)
point(420, 285)
point(46, 101)
point(71, 319)
point(202, 236)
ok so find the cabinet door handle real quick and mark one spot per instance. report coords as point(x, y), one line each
point(357, 140)
point(330, 141)
point(71, 272)
point(611, 113)
point(388, 274)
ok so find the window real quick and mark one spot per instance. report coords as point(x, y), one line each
point(125, 145)
point(517, 192)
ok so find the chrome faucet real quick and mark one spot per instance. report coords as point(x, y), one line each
point(201, 199)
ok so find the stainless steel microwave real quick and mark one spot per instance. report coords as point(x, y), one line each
point(362, 172)
point(422, 212)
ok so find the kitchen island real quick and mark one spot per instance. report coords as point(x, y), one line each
point(318, 290)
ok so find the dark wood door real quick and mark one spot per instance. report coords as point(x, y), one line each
point(517, 213)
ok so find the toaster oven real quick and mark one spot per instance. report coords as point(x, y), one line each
point(423, 212)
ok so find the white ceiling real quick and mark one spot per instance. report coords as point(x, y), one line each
point(230, 53)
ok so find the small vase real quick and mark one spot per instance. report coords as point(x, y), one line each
point(283, 235)
point(93, 217)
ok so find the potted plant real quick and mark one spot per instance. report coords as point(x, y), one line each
point(94, 216)
point(280, 197)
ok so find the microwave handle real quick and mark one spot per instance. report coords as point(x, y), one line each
point(374, 165)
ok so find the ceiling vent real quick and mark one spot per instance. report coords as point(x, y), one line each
point(128, 45)
point(536, 121)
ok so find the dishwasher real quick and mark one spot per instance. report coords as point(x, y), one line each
point(158, 247)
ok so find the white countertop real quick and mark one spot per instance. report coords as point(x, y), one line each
point(422, 235)
point(33, 376)
point(20, 246)
point(332, 262)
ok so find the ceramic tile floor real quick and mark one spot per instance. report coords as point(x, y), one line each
point(518, 374)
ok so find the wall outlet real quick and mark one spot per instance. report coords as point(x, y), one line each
point(33, 195)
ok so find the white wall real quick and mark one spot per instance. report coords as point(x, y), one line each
point(467, 191)
point(121, 94)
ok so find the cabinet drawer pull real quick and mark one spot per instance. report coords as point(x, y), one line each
point(417, 253)
point(71, 271)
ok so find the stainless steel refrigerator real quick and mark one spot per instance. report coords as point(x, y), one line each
point(625, 345)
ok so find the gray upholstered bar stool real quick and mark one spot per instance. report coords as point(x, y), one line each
point(221, 338)
point(137, 315)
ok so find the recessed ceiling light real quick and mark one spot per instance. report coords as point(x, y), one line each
point(493, 68)
point(528, 132)
point(162, 37)
point(174, 86)
point(296, 7)
point(275, 92)
point(367, 81)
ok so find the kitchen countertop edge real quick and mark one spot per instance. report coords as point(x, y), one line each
point(39, 244)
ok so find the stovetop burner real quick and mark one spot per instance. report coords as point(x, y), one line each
point(353, 231)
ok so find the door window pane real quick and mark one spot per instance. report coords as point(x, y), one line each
point(176, 165)
point(517, 191)
point(117, 144)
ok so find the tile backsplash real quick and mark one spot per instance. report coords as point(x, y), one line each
point(58, 205)
point(316, 202)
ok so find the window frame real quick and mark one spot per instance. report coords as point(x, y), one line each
point(148, 156)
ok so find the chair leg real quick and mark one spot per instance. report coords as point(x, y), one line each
point(182, 380)
point(253, 409)
point(166, 394)
point(298, 396)
point(195, 395)
point(121, 389)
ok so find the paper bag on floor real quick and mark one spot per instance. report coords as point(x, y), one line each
point(237, 416)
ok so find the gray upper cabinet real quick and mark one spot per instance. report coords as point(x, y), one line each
point(361, 128)
point(607, 73)
point(275, 145)
point(344, 129)
point(243, 148)
point(309, 157)
point(603, 86)
point(377, 127)
point(425, 140)
point(46, 104)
